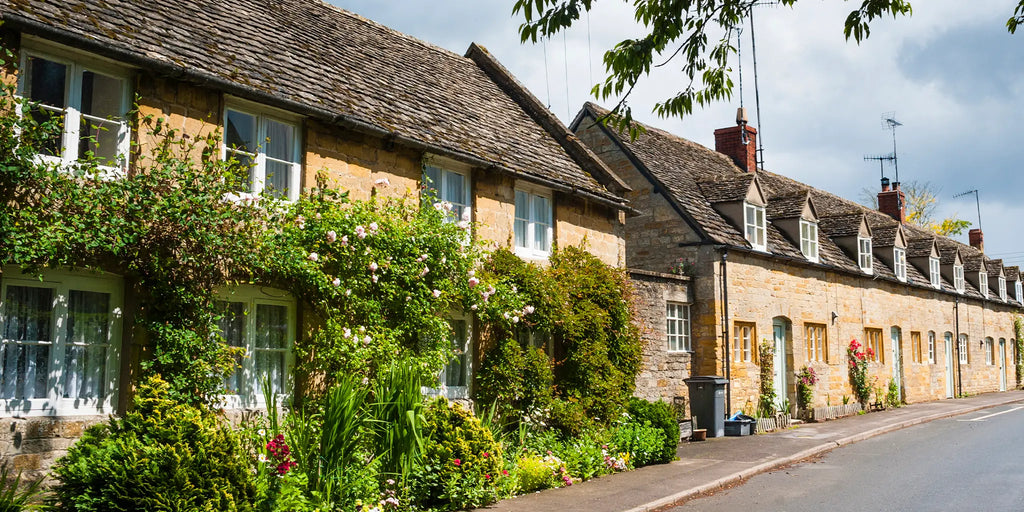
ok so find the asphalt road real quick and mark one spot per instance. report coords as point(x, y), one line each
point(970, 462)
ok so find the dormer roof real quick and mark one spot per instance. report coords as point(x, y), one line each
point(743, 187)
point(949, 252)
point(889, 236)
point(994, 268)
point(792, 205)
point(1011, 273)
point(843, 225)
point(922, 248)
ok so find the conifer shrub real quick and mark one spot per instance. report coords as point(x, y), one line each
point(462, 463)
point(658, 415)
point(161, 456)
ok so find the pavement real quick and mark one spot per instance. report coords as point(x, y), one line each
point(709, 465)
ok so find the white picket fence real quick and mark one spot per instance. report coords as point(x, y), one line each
point(770, 424)
point(835, 411)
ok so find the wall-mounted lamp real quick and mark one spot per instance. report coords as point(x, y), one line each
point(834, 316)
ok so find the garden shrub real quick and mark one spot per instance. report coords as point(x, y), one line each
point(534, 474)
point(461, 461)
point(641, 441)
point(659, 415)
point(161, 456)
point(514, 380)
point(584, 456)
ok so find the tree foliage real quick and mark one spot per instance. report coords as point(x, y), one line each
point(921, 201)
point(696, 32)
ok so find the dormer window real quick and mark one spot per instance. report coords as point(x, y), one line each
point(958, 278)
point(864, 255)
point(983, 283)
point(1018, 288)
point(899, 263)
point(1002, 288)
point(809, 239)
point(754, 226)
point(933, 272)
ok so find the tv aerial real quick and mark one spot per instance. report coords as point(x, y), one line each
point(977, 202)
point(890, 123)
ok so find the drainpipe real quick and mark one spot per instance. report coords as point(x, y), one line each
point(725, 333)
point(959, 376)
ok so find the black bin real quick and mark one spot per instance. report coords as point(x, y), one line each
point(741, 425)
point(707, 403)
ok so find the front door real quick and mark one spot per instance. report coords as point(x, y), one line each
point(896, 342)
point(1002, 364)
point(779, 381)
point(949, 365)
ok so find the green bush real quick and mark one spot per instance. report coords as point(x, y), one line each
point(514, 380)
point(162, 456)
point(659, 415)
point(461, 461)
point(534, 474)
point(570, 418)
point(583, 456)
point(643, 442)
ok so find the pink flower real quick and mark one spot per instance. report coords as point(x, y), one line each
point(473, 307)
point(344, 241)
point(473, 282)
point(300, 221)
point(373, 278)
point(331, 236)
point(348, 292)
point(373, 266)
point(425, 271)
point(360, 232)
point(485, 455)
point(487, 477)
point(466, 215)
point(528, 310)
point(373, 227)
point(504, 472)
point(463, 224)
point(457, 462)
point(471, 273)
point(314, 257)
point(336, 282)
point(436, 293)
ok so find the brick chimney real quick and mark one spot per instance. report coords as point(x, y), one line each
point(730, 142)
point(892, 202)
point(977, 239)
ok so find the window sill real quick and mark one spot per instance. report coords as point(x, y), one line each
point(449, 392)
point(532, 254)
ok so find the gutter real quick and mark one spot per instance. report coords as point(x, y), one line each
point(180, 72)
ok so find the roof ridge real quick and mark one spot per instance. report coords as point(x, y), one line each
point(385, 28)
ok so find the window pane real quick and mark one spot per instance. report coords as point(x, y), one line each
point(86, 353)
point(99, 139)
point(277, 178)
point(455, 372)
point(232, 329)
point(46, 82)
point(240, 132)
point(102, 95)
point(271, 326)
point(520, 232)
point(27, 334)
point(280, 141)
point(454, 188)
point(432, 179)
point(269, 366)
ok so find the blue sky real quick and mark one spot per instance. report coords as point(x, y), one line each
point(951, 74)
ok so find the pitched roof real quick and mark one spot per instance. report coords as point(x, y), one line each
point(318, 60)
point(920, 247)
point(787, 206)
point(1012, 273)
point(694, 177)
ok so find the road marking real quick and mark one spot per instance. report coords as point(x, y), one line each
point(994, 414)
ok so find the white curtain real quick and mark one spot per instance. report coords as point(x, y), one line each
point(26, 342)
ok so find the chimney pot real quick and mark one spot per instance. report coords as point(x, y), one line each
point(741, 116)
point(738, 143)
point(977, 239)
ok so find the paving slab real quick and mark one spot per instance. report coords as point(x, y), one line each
point(709, 465)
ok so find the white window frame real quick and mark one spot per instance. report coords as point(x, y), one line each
point(439, 190)
point(899, 263)
point(933, 272)
point(457, 392)
point(989, 354)
point(754, 226)
point(258, 170)
point(677, 327)
point(958, 279)
point(864, 255)
point(809, 239)
point(77, 63)
point(1018, 289)
point(252, 296)
point(1002, 288)
point(531, 250)
point(62, 282)
point(983, 283)
point(963, 347)
point(931, 347)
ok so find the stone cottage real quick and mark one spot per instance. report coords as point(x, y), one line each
point(297, 87)
point(803, 271)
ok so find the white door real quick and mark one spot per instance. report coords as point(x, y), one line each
point(896, 341)
point(949, 365)
point(1002, 364)
point(779, 380)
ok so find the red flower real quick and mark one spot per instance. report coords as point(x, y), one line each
point(504, 473)
point(457, 462)
point(488, 477)
point(486, 455)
